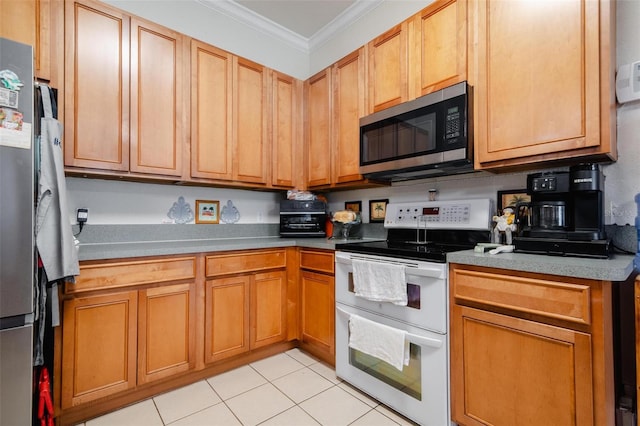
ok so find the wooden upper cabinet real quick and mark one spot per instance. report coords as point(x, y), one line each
point(543, 89)
point(250, 112)
point(157, 104)
point(124, 107)
point(286, 124)
point(29, 22)
point(349, 105)
point(387, 67)
point(96, 95)
point(211, 98)
point(438, 43)
point(318, 98)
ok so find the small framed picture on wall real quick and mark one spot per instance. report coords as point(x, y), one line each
point(377, 210)
point(355, 206)
point(512, 197)
point(207, 211)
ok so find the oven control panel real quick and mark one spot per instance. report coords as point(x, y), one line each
point(452, 214)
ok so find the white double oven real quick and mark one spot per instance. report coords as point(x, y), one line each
point(419, 235)
point(420, 391)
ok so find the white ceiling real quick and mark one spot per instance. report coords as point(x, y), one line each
point(304, 23)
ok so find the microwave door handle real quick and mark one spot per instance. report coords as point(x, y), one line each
point(413, 338)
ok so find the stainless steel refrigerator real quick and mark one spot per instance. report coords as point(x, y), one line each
point(17, 243)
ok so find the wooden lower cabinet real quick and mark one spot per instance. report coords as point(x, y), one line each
point(317, 304)
point(530, 349)
point(246, 302)
point(268, 315)
point(166, 331)
point(132, 328)
point(520, 372)
point(99, 346)
point(226, 317)
point(318, 311)
point(244, 312)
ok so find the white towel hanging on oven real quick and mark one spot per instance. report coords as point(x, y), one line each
point(380, 282)
point(378, 340)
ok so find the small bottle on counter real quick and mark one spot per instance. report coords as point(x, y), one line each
point(328, 226)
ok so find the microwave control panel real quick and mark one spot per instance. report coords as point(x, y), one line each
point(461, 214)
point(453, 125)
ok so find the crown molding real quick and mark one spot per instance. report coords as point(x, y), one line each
point(254, 20)
point(354, 12)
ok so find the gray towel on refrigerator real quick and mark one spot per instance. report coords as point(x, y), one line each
point(54, 236)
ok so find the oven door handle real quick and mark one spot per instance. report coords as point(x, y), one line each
point(410, 269)
point(424, 341)
point(413, 338)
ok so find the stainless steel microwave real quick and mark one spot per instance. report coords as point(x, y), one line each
point(429, 136)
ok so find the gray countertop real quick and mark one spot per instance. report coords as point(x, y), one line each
point(114, 250)
point(616, 268)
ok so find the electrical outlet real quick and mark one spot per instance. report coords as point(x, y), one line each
point(260, 217)
point(82, 215)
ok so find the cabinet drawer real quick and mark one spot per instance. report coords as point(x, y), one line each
point(120, 274)
point(234, 263)
point(320, 261)
point(565, 301)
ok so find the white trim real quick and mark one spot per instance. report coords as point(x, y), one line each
point(252, 19)
point(350, 15)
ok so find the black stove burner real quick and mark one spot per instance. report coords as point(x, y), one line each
point(403, 243)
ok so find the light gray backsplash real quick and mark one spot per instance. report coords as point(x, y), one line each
point(623, 237)
point(92, 234)
point(98, 234)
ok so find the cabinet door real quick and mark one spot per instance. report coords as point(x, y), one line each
point(29, 22)
point(251, 144)
point(268, 308)
point(286, 130)
point(226, 317)
point(166, 331)
point(96, 95)
point(438, 37)
point(211, 126)
point(157, 90)
point(506, 370)
point(539, 81)
point(319, 129)
point(318, 311)
point(98, 347)
point(388, 69)
point(349, 104)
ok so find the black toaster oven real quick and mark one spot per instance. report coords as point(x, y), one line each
point(301, 218)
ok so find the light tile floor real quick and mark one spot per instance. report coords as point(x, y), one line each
point(291, 388)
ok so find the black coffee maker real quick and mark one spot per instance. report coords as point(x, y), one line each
point(565, 215)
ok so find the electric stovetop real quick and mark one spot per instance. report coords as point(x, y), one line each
point(403, 244)
point(428, 230)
